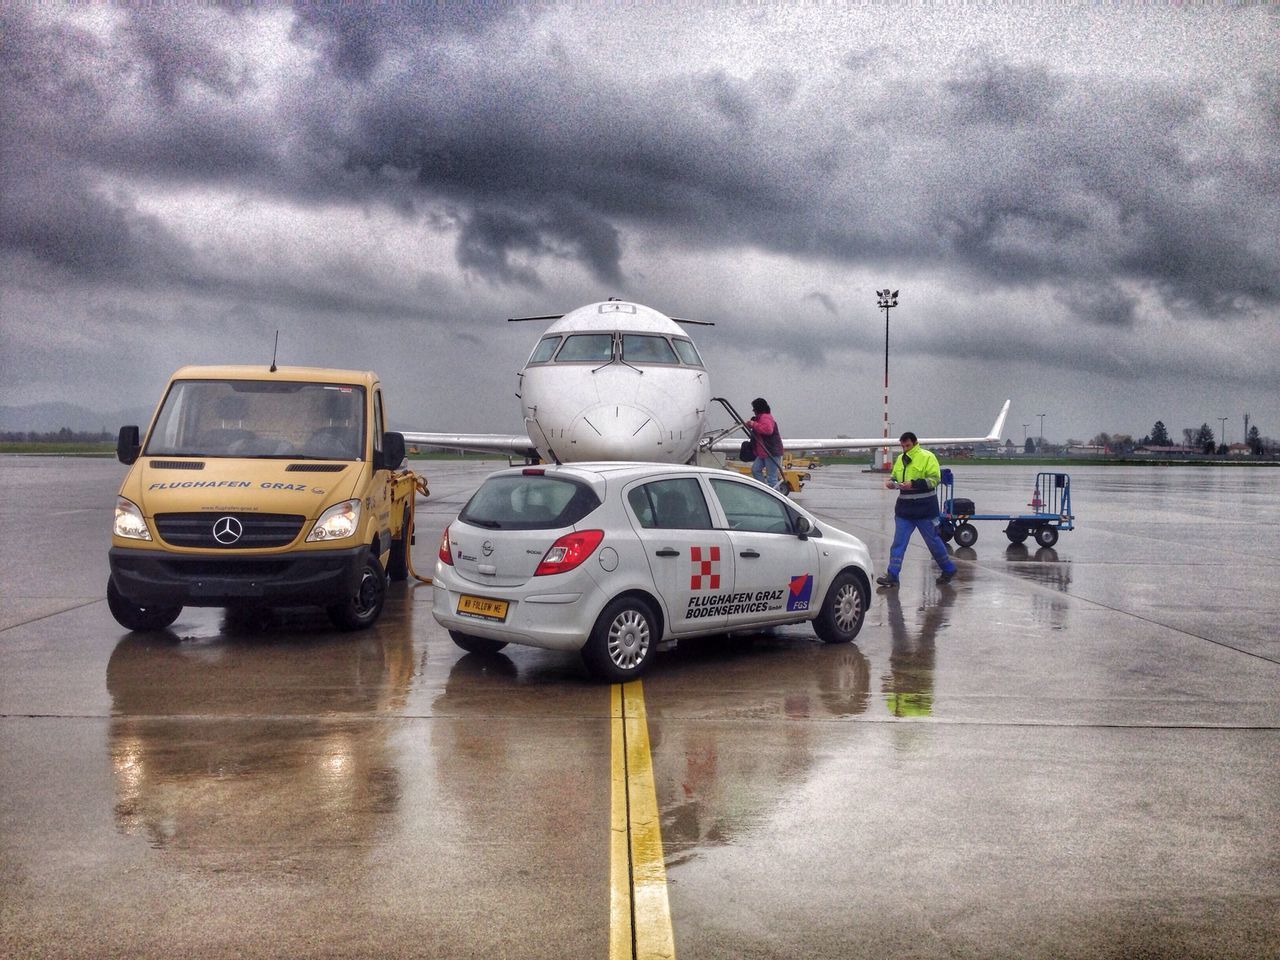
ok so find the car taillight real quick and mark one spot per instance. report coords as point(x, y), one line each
point(569, 551)
point(446, 551)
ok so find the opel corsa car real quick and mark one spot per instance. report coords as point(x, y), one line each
point(612, 559)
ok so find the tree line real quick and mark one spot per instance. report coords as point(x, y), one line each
point(64, 435)
point(1201, 440)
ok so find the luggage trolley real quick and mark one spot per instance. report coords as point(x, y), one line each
point(1050, 504)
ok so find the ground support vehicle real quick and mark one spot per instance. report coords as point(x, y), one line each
point(1051, 512)
point(257, 487)
point(614, 559)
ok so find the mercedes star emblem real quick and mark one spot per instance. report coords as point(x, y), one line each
point(227, 530)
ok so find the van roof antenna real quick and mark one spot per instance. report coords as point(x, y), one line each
point(274, 350)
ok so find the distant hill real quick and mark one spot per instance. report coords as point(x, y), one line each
point(45, 417)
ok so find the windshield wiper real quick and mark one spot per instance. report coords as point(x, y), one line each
point(487, 524)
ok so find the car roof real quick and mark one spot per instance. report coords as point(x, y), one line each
point(621, 470)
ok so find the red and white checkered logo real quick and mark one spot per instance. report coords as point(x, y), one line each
point(706, 564)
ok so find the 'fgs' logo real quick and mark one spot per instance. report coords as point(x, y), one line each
point(801, 592)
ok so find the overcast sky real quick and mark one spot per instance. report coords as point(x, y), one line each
point(1080, 203)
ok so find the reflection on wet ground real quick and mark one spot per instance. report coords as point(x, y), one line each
point(1066, 752)
point(212, 742)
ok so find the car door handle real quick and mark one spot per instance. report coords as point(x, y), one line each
point(751, 554)
point(666, 552)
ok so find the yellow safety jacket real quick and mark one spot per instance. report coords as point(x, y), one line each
point(920, 469)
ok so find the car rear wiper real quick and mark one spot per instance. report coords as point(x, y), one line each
point(487, 524)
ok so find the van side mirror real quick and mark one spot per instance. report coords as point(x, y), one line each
point(392, 451)
point(128, 444)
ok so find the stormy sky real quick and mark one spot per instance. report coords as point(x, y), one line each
point(1080, 203)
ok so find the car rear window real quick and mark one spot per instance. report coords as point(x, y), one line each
point(529, 502)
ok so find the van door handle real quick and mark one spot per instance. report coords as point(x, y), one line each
point(666, 552)
point(751, 554)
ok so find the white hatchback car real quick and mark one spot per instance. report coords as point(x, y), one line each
point(614, 558)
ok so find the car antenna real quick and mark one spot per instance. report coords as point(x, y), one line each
point(274, 351)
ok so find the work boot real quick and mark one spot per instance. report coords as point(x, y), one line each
point(946, 576)
point(887, 581)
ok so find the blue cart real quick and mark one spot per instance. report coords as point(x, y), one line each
point(1050, 504)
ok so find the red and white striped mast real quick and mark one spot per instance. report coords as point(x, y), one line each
point(886, 301)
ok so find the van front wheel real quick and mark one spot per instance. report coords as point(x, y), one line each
point(362, 608)
point(136, 617)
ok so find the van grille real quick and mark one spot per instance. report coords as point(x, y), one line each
point(257, 529)
point(315, 467)
point(178, 464)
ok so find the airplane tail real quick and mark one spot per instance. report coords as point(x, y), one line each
point(998, 429)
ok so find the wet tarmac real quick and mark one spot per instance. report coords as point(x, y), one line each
point(1068, 752)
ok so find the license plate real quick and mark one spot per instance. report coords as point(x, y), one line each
point(482, 607)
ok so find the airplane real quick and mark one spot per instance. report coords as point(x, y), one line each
point(617, 380)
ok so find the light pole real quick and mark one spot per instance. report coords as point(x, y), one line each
point(1041, 443)
point(1024, 435)
point(1224, 429)
point(886, 301)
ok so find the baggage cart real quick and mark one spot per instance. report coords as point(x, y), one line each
point(1050, 512)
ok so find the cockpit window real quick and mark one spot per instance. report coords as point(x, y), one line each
point(688, 352)
point(637, 348)
point(545, 349)
point(594, 347)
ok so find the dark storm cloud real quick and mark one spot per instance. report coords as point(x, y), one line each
point(1012, 175)
point(354, 37)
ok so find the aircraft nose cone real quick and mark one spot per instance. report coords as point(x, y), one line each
point(617, 432)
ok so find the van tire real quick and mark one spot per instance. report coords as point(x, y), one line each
point(135, 617)
point(480, 645)
point(623, 641)
point(844, 609)
point(364, 606)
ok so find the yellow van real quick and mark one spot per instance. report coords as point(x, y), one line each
point(261, 486)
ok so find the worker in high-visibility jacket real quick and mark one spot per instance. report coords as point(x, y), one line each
point(915, 475)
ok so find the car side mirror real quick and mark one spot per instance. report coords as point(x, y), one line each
point(392, 451)
point(128, 444)
point(804, 527)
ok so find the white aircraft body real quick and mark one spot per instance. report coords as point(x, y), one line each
point(621, 381)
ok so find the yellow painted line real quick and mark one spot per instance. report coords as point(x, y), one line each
point(621, 941)
point(640, 914)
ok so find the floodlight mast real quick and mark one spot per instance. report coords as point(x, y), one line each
point(886, 300)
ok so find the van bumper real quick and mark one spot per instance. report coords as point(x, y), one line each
point(152, 578)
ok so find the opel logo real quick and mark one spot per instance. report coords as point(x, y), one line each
point(227, 530)
point(487, 547)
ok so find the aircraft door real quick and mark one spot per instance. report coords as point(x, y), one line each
point(691, 563)
point(774, 569)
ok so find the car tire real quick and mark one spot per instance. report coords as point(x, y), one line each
point(398, 561)
point(364, 606)
point(966, 535)
point(136, 617)
point(1047, 536)
point(843, 610)
point(623, 641)
point(480, 645)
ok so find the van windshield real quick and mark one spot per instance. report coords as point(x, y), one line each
point(260, 418)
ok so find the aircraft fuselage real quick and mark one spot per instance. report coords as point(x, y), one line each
point(615, 381)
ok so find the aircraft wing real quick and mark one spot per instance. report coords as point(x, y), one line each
point(517, 444)
point(869, 443)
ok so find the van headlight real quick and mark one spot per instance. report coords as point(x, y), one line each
point(339, 521)
point(129, 522)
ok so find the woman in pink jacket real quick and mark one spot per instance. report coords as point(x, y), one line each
point(768, 443)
